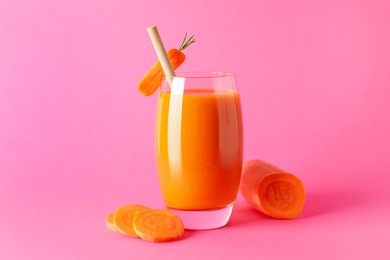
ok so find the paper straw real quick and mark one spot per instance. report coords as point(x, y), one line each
point(161, 53)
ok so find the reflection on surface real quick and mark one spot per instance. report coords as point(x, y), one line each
point(174, 123)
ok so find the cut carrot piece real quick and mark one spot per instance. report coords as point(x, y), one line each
point(123, 218)
point(151, 81)
point(153, 78)
point(110, 222)
point(272, 190)
point(158, 225)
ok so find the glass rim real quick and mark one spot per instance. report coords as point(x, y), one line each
point(201, 74)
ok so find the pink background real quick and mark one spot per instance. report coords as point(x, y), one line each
point(76, 138)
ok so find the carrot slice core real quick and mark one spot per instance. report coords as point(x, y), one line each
point(280, 194)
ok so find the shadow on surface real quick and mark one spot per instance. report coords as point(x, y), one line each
point(317, 204)
point(332, 201)
point(243, 214)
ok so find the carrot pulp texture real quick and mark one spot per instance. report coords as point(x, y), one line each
point(123, 218)
point(271, 190)
point(153, 78)
point(158, 225)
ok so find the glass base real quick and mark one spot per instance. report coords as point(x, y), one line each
point(204, 219)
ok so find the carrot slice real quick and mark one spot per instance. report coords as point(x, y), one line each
point(151, 81)
point(153, 78)
point(123, 218)
point(110, 222)
point(159, 225)
point(272, 190)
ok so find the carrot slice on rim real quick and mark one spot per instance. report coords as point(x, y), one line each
point(272, 190)
point(151, 81)
point(123, 218)
point(153, 78)
point(159, 225)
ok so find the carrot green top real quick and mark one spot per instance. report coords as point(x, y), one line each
point(185, 43)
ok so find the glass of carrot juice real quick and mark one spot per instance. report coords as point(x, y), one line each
point(199, 146)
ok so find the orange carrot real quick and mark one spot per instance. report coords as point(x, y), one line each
point(272, 190)
point(159, 225)
point(151, 81)
point(123, 218)
point(110, 222)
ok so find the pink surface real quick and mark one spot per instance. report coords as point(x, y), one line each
point(76, 139)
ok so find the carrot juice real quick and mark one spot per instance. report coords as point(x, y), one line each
point(199, 147)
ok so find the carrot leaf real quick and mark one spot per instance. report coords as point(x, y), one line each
point(187, 42)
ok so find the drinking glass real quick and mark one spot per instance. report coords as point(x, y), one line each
point(199, 146)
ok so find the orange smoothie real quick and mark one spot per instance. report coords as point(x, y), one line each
point(199, 148)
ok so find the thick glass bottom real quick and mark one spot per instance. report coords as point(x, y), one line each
point(204, 219)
